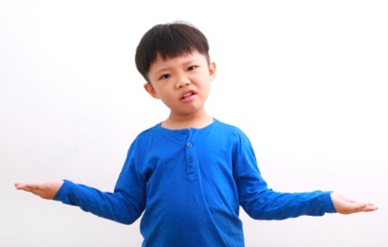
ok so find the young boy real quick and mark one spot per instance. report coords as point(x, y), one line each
point(189, 174)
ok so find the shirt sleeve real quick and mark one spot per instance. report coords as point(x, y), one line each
point(124, 205)
point(263, 203)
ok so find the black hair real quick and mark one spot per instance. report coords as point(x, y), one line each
point(169, 41)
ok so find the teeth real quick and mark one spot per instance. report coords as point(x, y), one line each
point(187, 95)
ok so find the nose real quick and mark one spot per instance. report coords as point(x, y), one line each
point(182, 81)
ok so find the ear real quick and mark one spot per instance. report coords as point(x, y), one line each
point(212, 70)
point(151, 90)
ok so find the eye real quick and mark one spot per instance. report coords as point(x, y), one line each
point(193, 67)
point(165, 76)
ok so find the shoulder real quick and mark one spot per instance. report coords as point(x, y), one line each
point(228, 128)
point(235, 138)
point(150, 131)
point(230, 131)
point(144, 137)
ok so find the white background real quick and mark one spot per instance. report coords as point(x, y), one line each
point(305, 80)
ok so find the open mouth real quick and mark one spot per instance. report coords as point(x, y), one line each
point(187, 95)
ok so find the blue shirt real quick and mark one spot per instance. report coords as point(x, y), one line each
point(189, 185)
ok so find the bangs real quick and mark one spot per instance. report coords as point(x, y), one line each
point(175, 41)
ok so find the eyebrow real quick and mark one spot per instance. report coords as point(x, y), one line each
point(185, 63)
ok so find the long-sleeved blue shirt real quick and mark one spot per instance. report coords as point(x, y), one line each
point(189, 185)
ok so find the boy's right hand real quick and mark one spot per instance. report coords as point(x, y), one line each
point(46, 190)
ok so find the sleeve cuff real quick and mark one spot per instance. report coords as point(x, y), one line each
point(63, 192)
point(329, 206)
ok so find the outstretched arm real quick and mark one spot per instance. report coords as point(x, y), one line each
point(46, 190)
point(345, 205)
point(260, 202)
point(123, 205)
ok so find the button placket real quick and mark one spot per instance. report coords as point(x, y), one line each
point(191, 172)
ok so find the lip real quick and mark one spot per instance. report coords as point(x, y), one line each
point(187, 95)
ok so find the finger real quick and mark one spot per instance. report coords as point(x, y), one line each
point(359, 207)
point(365, 207)
point(27, 187)
point(20, 186)
point(369, 207)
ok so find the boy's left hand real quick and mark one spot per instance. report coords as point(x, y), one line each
point(344, 205)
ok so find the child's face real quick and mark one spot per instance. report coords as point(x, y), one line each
point(182, 83)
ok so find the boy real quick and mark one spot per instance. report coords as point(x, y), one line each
point(189, 174)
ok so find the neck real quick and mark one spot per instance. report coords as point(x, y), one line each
point(200, 120)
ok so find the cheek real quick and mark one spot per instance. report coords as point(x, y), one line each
point(206, 87)
point(166, 97)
